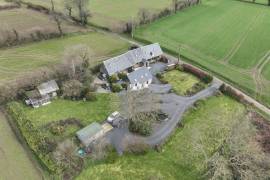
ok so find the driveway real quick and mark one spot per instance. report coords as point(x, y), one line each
point(174, 106)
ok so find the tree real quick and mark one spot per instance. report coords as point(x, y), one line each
point(57, 19)
point(83, 10)
point(77, 58)
point(69, 6)
point(140, 108)
point(174, 5)
point(72, 89)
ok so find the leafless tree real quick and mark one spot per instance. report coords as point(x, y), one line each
point(174, 5)
point(83, 10)
point(56, 18)
point(69, 4)
point(75, 56)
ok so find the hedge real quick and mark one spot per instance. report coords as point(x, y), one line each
point(199, 73)
point(32, 136)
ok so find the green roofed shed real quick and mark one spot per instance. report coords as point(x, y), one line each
point(90, 133)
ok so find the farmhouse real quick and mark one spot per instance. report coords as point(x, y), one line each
point(42, 95)
point(128, 61)
point(89, 134)
point(140, 78)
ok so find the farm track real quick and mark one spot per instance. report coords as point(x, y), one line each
point(242, 39)
point(257, 74)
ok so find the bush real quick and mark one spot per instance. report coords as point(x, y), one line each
point(116, 87)
point(227, 90)
point(123, 76)
point(113, 78)
point(90, 96)
point(72, 89)
point(159, 75)
point(124, 86)
point(195, 88)
point(197, 72)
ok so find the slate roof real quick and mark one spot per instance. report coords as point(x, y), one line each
point(141, 76)
point(88, 132)
point(132, 57)
point(48, 87)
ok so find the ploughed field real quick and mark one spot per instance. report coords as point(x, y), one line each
point(16, 61)
point(229, 38)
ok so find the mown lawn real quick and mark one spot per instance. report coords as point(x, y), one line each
point(182, 157)
point(180, 81)
point(16, 61)
point(60, 109)
point(227, 37)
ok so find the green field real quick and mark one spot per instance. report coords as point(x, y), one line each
point(180, 158)
point(114, 12)
point(15, 162)
point(18, 60)
point(15, 20)
point(181, 82)
point(60, 109)
point(229, 38)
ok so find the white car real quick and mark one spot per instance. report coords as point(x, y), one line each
point(113, 116)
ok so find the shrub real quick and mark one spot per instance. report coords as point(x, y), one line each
point(124, 86)
point(197, 72)
point(113, 78)
point(116, 87)
point(72, 89)
point(90, 96)
point(159, 75)
point(227, 90)
point(123, 76)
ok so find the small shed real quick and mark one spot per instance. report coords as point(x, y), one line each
point(92, 132)
point(48, 88)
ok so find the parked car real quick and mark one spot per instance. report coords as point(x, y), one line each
point(113, 116)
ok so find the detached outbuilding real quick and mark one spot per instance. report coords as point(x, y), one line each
point(42, 95)
point(91, 133)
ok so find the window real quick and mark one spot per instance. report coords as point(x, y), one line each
point(147, 82)
point(136, 84)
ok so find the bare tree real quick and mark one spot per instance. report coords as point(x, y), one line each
point(75, 56)
point(83, 10)
point(100, 149)
point(174, 5)
point(69, 6)
point(57, 19)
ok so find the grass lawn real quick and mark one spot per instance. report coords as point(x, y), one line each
point(110, 13)
point(16, 61)
point(61, 109)
point(180, 81)
point(229, 38)
point(15, 162)
point(180, 158)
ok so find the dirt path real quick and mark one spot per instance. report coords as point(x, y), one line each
point(15, 163)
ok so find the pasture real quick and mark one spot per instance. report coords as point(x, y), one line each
point(180, 158)
point(15, 20)
point(16, 61)
point(15, 162)
point(228, 38)
point(111, 13)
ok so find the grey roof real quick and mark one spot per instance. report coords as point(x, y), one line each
point(132, 57)
point(88, 132)
point(48, 87)
point(141, 76)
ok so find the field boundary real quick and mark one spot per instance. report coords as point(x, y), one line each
point(251, 2)
point(32, 156)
